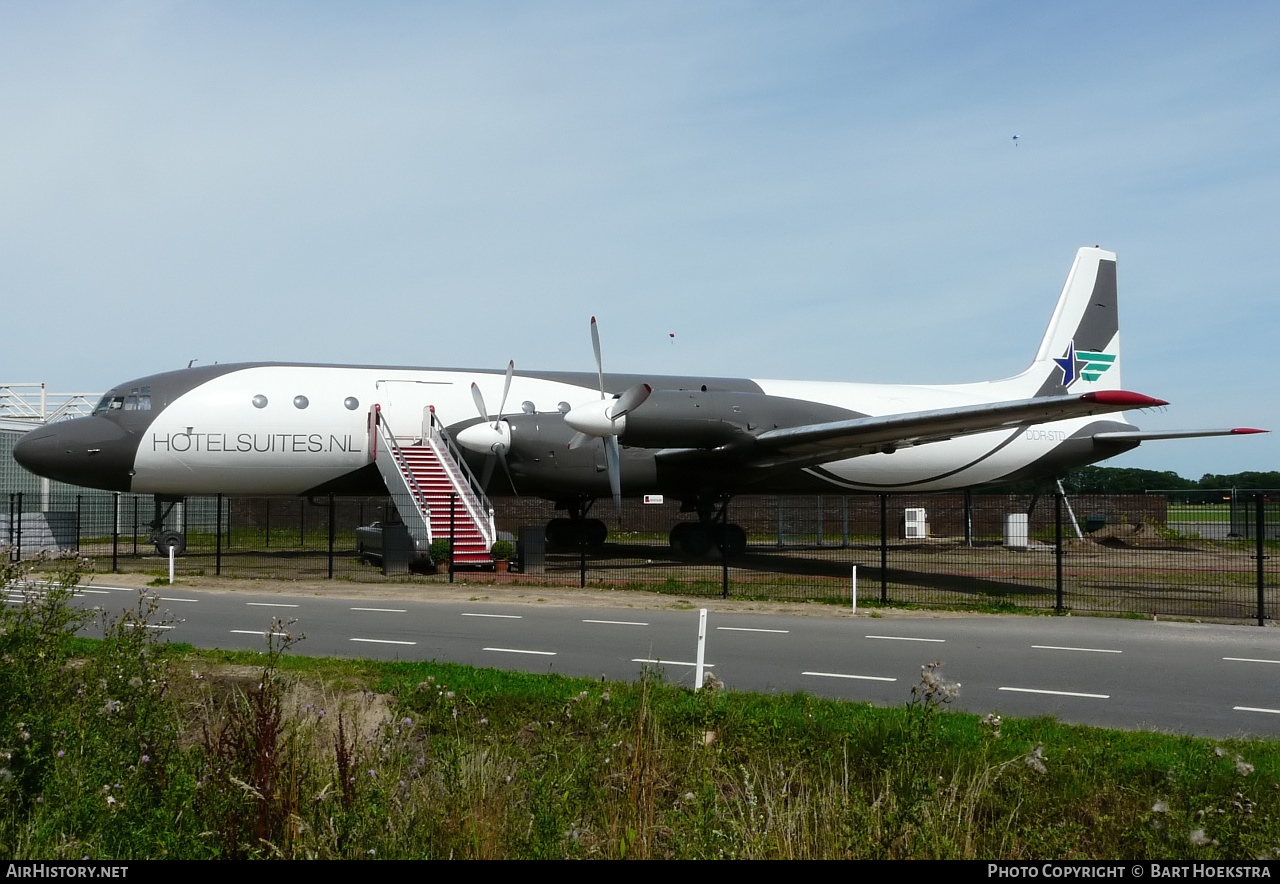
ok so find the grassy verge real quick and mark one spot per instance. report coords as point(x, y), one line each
point(122, 748)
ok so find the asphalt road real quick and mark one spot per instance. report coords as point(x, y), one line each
point(1204, 679)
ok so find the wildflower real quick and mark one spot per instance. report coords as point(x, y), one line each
point(991, 723)
point(61, 753)
point(146, 759)
point(1243, 767)
point(407, 722)
point(1200, 839)
point(1035, 759)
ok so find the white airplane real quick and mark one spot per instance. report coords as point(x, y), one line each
point(295, 429)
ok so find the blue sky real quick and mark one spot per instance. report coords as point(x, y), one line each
point(795, 190)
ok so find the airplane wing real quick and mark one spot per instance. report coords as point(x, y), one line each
point(837, 440)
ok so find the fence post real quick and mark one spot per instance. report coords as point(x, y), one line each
point(844, 506)
point(1057, 552)
point(884, 547)
point(9, 540)
point(453, 522)
point(217, 568)
point(135, 527)
point(18, 545)
point(80, 518)
point(1259, 544)
point(331, 531)
point(115, 533)
point(968, 517)
point(724, 549)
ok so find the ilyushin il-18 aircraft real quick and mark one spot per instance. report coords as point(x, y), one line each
point(296, 429)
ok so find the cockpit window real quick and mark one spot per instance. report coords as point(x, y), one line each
point(139, 399)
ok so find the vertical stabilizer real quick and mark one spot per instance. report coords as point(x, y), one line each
point(1081, 348)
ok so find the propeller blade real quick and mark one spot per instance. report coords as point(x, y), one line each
point(630, 400)
point(478, 399)
point(501, 452)
point(487, 473)
point(613, 460)
point(577, 440)
point(595, 346)
point(506, 388)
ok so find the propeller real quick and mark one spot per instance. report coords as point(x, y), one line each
point(493, 440)
point(606, 419)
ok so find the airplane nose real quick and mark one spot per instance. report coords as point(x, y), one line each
point(88, 451)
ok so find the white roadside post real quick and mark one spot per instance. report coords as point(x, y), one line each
point(171, 564)
point(853, 589)
point(702, 649)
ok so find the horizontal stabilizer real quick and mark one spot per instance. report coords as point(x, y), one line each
point(1141, 436)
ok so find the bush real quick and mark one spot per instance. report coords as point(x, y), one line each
point(440, 551)
point(502, 550)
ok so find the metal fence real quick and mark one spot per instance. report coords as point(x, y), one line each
point(1175, 554)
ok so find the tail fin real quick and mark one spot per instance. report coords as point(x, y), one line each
point(1081, 348)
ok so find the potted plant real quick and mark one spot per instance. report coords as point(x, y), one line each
point(501, 552)
point(441, 552)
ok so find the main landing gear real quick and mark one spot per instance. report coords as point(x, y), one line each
point(577, 530)
point(712, 530)
point(166, 539)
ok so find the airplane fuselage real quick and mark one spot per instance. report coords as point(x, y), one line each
point(271, 429)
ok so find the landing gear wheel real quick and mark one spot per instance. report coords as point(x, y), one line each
point(171, 540)
point(690, 538)
point(732, 539)
point(569, 534)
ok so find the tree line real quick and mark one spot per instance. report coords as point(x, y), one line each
point(1131, 480)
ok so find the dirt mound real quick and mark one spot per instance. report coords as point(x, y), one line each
point(1128, 535)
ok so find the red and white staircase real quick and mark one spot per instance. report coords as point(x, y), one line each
point(435, 493)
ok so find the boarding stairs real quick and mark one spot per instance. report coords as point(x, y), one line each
point(434, 491)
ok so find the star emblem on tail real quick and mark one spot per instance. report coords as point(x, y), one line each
point(1088, 367)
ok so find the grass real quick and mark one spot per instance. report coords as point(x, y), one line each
point(122, 748)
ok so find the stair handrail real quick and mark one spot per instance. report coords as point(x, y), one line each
point(391, 448)
point(472, 493)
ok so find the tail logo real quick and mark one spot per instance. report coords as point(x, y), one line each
point(1087, 366)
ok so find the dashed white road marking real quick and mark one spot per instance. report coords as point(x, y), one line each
point(904, 638)
point(385, 610)
point(262, 632)
point(1255, 709)
point(522, 651)
point(271, 605)
point(750, 629)
point(1249, 660)
point(849, 675)
point(1086, 650)
point(668, 662)
point(497, 616)
point(164, 598)
point(618, 622)
point(382, 641)
point(1058, 693)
